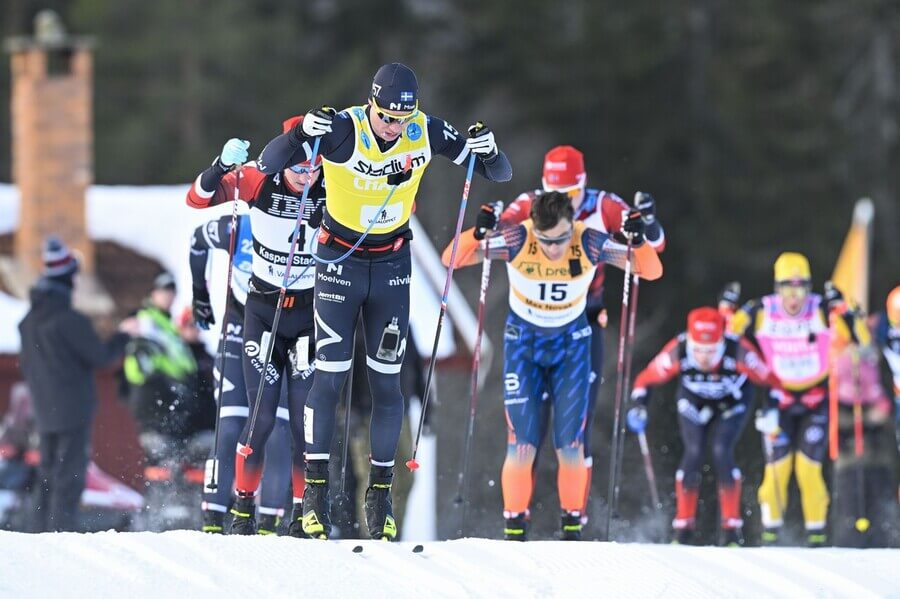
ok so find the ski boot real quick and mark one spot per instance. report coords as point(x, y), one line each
point(379, 511)
point(295, 528)
point(244, 512)
point(571, 526)
point(213, 522)
point(816, 539)
point(268, 524)
point(316, 521)
point(683, 536)
point(516, 528)
point(770, 537)
point(732, 537)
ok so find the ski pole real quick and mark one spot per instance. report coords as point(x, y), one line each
point(626, 383)
point(412, 464)
point(347, 403)
point(213, 484)
point(862, 522)
point(462, 489)
point(620, 375)
point(648, 469)
point(246, 450)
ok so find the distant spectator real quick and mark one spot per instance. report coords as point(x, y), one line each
point(160, 369)
point(60, 351)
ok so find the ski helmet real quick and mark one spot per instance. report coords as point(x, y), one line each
point(563, 168)
point(893, 306)
point(395, 88)
point(289, 124)
point(792, 267)
point(705, 326)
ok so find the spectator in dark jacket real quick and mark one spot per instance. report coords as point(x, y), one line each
point(60, 351)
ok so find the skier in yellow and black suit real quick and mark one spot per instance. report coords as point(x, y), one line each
point(795, 333)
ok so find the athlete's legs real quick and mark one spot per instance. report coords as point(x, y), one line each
point(773, 492)
point(811, 449)
point(232, 418)
point(727, 429)
point(693, 426)
point(385, 316)
point(593, 392)
point(523, 387)
point(568, 383)
point(257, 335)
point(276, 475)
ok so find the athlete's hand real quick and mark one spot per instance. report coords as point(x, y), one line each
point(647, 205)
point(731, 294)
point(637, 419)
point(202, 309)
point(234, 152)
point(833, 296)
point(481, 141)
point(633, 226)
point(767, 421)
point(602, 318)
point(487, 219)
point(318, 122)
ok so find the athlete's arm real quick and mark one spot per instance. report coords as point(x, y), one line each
point(213, 235)
point(518, 210)
point(662, 369)
point(504, 244)
point(295, 146)
point(601, 248)
point(742, 323)
point(447, 141)
point(216, 185)
point(749, 362)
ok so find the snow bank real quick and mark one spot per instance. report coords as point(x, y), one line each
point(190, 564)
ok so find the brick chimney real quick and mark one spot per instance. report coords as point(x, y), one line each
point(52, 151)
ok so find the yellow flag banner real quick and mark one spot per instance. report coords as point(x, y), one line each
point(851, 277)
point(851, 273)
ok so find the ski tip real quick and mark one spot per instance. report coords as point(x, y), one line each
point(412, 464)
point(358, 549)
point(418, 549)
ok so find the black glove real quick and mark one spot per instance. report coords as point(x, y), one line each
point(202, 309)
point(481, 141)
point(731, 294)
point(633, 227)
point(833, 296)
point(647, 205)
point(487, 219)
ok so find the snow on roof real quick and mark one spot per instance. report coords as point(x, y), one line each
point(156, 222)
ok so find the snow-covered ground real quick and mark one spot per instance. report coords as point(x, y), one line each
point(190, 564)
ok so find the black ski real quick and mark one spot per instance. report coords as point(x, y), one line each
point(415, 549)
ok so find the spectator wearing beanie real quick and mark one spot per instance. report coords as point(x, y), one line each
point(60, 352)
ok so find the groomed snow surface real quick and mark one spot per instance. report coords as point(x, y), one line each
point(191, 564)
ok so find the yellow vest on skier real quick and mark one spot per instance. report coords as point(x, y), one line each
point(358, 187)
point(549, 293)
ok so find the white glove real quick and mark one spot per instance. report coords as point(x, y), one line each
point(481, 141)
point(767, 421)
point(234, 152)
point(318, 122)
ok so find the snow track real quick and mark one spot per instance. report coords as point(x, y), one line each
point(190, 564)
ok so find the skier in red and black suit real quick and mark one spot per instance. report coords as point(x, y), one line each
point(602, 210)
point(713, 370)
point(274, 201)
